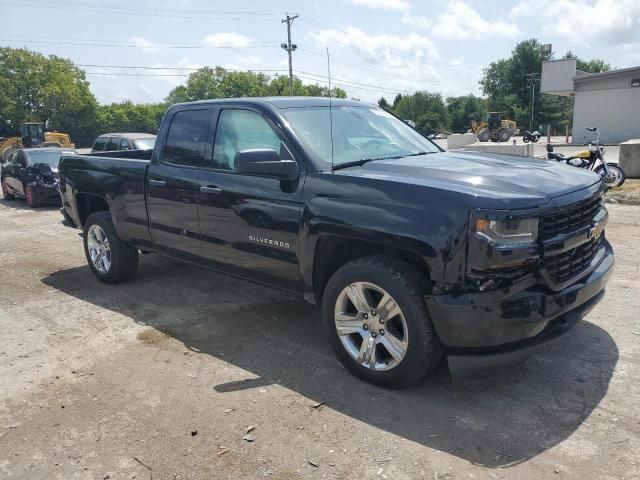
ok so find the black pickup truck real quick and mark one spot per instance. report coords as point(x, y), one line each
point(413, 253)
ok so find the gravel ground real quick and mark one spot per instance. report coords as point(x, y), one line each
point(161, 378)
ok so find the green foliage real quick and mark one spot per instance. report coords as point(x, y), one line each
point(220, 83)
point(508, 83)
point(426, 109)
point(46, 89)
point(130, 117)
point(382, 103)
point(462, 110)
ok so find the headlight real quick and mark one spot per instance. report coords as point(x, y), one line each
point(507, 232)
point(501, 242)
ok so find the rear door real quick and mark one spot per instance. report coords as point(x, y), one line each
point(249, 224)
point(172, 182)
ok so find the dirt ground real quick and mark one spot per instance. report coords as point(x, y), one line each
point(161, 378)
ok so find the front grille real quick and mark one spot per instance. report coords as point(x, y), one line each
point(569, 219)
point(565, 266)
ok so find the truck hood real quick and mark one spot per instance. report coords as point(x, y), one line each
point(502, 180)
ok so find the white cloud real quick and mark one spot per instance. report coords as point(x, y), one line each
point(144, 44)
point(461, 21)
point(383, 4)
point(614, 22)
point(174, 76)
point(251, 61)
point(227, 39)
point(415, 21)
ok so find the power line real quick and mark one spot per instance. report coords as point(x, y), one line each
point(142, 12)
point(140, 45)
point(140, 67)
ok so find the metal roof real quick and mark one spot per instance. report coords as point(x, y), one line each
point(595, 76)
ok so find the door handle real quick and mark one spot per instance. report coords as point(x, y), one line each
point(211, 189)
point(157, 183)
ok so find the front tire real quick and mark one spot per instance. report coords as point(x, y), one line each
point(525, 139)
point(32, 196)
point(111, 260)
point(377, 322)
point(483, 135)
point(617, 175)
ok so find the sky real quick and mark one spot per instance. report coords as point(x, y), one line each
point(377, 47)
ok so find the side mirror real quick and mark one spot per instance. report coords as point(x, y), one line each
point(267, 163)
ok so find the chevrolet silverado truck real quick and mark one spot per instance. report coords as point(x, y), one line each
point(412, 253)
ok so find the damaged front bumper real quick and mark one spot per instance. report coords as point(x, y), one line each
point(490, 332)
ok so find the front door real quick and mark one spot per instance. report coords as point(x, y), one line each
point(249, 224)
point(172, 183)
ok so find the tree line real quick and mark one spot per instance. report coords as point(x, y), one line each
point(53, 90)
point(507, 86)
point(34, 87)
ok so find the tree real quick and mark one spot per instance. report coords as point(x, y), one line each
point(220, 83)
point(426, 109)
point(462, 110)
point(130, 117)
point(382, 103)
point(50, 89)
point(508, 86)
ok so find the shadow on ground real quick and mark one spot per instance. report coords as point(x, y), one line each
point(278, 338)
point(21, 204)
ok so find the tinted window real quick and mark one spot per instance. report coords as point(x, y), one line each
point(241, 130)
point(113, 144)
point(186, 138)
point(50, 158)
point(100, 143)
point(124, 144)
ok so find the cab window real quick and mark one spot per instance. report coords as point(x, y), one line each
point(186, 138)
point(113, 144)
point(99, 144)
point(124, 144)
point(241, 130)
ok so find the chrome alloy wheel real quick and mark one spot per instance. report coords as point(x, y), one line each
point(99, 249)
point(371, 326)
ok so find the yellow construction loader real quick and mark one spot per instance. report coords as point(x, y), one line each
point(497, 128)
point(32, 134)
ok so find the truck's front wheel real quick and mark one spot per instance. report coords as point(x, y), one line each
point(377, 322)
point(111, 260)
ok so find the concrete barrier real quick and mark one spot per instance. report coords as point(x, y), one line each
point(459, 140)
point(525, 150)
point(630, 158)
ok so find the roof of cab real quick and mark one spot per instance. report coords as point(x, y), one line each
point(132, 135)
point(284, 102)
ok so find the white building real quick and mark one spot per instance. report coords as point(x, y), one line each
point(609, 101)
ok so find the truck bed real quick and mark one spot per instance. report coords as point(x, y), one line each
point(118, 179)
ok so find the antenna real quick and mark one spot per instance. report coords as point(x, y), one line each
point(330, 107)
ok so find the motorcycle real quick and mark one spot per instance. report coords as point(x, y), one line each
point(592, 158)
point(531, 136)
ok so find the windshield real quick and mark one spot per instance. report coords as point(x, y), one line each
point(358, 133)
point(51, 158)
point(144, 143)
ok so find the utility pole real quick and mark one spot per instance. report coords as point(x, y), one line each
point(532, 79)
point(289, 47)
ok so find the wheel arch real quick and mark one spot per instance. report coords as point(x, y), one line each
point(334, 251)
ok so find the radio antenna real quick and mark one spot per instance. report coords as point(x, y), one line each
point(330, 107)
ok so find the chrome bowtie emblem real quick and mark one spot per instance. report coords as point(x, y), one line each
point(596, 231)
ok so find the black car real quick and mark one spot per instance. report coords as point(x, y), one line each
point(32, 174)
point(113, 142)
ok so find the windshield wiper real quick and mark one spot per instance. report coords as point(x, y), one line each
point(362, 161)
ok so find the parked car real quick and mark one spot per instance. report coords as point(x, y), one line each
point(412, 252)
point(32, 174)
point(112, 142)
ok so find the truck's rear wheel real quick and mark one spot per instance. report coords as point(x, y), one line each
point(111, 260)
point(377, 322)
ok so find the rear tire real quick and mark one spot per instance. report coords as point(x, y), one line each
point(111, 260)
point(405, 347)
point(503, 135)
point(5, 191)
